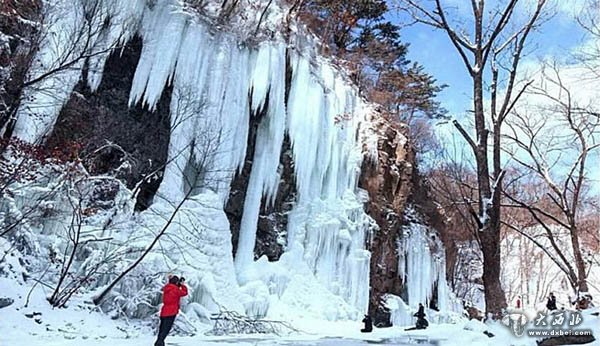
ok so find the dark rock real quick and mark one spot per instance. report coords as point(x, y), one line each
point(474, 313)
point(19, 32)
point(488, 334)
point(33, 314)
point(389, 184)
point(272, 222)
point(4, 302)
point(128, 143)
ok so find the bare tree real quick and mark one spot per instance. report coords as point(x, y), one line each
point(589, 20)
point(22, 167)
point(80, 264)
point(496, 41)
point(230, 322)
point(454, 188)
point(88, 255)
point(555, 142)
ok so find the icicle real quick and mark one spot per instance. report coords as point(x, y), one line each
point(328, 224)
point(421, 267)
point(269, 138)
point(162, 35)
point(59, 62)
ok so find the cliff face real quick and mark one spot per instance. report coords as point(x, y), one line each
point(271, 229)
point(389, 182)
point(129, 143)
point(408, 251)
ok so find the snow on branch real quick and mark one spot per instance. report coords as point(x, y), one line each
point(230, 322)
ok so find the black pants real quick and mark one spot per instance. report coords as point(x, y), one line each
point(163, 330)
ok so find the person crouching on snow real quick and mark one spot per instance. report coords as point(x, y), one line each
point(420, 315)
point(368, 324)
point(172, 293)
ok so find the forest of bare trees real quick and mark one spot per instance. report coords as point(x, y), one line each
point(544, 140)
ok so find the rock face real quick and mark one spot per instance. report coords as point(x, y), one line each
point(272, 221)
point(389, 184)
point(129, 143)
point(567, 340)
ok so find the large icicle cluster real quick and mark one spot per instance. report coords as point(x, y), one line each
point(422, 268)
point(221, 79)
point(68, 35)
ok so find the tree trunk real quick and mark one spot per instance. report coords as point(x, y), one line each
point(489, 209)
point(579, 262)
point(495, 300)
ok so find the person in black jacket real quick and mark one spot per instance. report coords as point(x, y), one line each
point(368, 324)
point(551, 303)
point(420, 315)
point(421, 321)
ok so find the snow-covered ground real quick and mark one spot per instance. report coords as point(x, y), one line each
point(81, 324)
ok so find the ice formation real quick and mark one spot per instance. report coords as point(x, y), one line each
point(221, 78)
point(422, 268)
point(219, 82)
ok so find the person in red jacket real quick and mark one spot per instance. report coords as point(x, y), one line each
point(172, 292)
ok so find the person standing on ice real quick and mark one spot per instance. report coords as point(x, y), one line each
point(172, 293)
point(551, 303)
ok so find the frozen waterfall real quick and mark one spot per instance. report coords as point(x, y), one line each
point(422, 268)
point(223, 75)
point(220, 80)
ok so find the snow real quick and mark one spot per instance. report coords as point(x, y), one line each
point(530, 272)
point(83, 323)
point(401, 314)
point(80, 324)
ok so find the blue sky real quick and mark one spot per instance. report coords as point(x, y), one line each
point(432, 49)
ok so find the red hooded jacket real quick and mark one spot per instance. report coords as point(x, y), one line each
point(171, 295)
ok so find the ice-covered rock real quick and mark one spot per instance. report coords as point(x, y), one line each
point(4, 302)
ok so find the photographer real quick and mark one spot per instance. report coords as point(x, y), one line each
point(172, 292)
